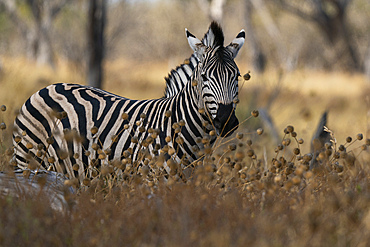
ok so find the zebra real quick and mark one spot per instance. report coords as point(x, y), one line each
point(74, 129)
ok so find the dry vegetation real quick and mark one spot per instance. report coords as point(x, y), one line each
point(239, 197)
point(250, 191)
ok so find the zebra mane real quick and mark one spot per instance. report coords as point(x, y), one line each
point(214, 37)
point(179, 77)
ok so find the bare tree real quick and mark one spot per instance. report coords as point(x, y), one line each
point(37, 32)
point(258, 57)
point(95, 38)
point(330, 17)
point(213, 8)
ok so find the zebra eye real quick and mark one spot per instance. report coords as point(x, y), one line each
point(204, 77)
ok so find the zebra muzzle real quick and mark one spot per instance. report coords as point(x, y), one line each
point(226, 121)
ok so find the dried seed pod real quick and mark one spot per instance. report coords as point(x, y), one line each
point(212, 133)
point(40, 146)
point(300, 141)
point(260, 131)
point(168, 113)
point(296, 151)
point(250, 152)
point(249, 142)
point(135, 139)
point(255, 113)
point(29, 145)
point(51, 159)
point(50, 140)
point(124, 116)
point(293, 134)
point(348, 139)
point(239, 135)
point(17, 139)
point(95, 146)
point(179, 140)
point(194, 83)
point(86, 182)
point(94, 130)
point(126, 126)
point(359, 136)
point(143, 115)
point(231, 147)
point(2, 126)
point(75, 167)
point(290, 128)
point(3, 108)
point(171, 151)
point(247, 76)
point(168, 139)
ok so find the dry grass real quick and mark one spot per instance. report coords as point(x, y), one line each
point(234, 199)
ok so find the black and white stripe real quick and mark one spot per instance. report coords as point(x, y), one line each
point(210, 100)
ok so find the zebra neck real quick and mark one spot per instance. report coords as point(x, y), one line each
point(179, 77)
point(187, 104)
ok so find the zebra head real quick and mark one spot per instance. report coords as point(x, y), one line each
point(217, 75)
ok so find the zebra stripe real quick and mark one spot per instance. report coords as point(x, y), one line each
point(203, 106)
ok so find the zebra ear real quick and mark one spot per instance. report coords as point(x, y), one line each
point(195, 44)
point(237, 43)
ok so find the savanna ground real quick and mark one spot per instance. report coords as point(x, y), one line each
point(242, 198)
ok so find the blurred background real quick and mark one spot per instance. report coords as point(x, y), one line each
point(304, 57)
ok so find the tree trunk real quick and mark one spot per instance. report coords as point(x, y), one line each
point(258, 58)
point(95, 39)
